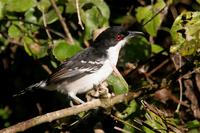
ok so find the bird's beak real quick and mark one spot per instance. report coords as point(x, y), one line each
point(135, 33)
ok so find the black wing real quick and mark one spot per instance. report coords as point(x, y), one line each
point(85, 62)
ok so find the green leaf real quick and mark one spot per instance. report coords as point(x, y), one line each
point(34, 49)
point(27, 41)
point(5, 113)
point(128, 19)
point(2, 4)
point(119, 85)
point(14, 31)
point(147, 130)
point(5, 43)
point(91, 21)
point(198, 1)
point(43, 5)
point(51, 16)
point(156, 48)
point(185, 33)
point(193, 131)
point(20, 5)
point(39, 50)
point(94, 14)
point(29, 16)
point(156, 122)
point(100, 4)
point(144, 14)
point(193, 124)
point(132, 107)
point(62, 50)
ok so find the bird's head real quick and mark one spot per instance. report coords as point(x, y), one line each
point(114, 36)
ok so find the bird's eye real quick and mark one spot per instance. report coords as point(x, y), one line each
point(119, 37)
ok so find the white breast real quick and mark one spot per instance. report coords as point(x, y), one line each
point(113, 52)
point(86, 83)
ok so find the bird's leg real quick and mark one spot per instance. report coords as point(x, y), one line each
point(104, 91)
point(92, 93)
point(75, 98)
point(100, 91)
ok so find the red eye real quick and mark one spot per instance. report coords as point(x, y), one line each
point(119, 37)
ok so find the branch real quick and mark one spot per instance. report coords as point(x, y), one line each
point(65, 28)
point(49, 117)
point(78, 14)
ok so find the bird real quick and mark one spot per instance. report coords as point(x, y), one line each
point(90, 67)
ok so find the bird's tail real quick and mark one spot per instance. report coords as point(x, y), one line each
point(32, 87)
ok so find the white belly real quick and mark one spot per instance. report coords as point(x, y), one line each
point(86, 83)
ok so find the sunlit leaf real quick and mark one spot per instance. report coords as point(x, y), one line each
point(90, 18)
point(34, 49)
point(93, 13)
point(87, 4)
point(27, 41)
point(198, 1)
point(185, 33)
point(38, 50)
point(43, 5)
point(51, 16)
point(20, 5)
point(156, 48)
point(119, 85)
point(155, 121)
point(144, 14)
point(132, 107)
point(30, 16)
point(62, 50)
point(2, 9)
point(14, 31)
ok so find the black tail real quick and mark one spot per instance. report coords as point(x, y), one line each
point(32, 87)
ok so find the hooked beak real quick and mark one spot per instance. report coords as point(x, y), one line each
point(135, 33)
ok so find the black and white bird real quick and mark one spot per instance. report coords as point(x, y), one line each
point(89, 67)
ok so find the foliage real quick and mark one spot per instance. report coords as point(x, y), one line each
point(37, 35)
point(144, 14)
point(185, 33)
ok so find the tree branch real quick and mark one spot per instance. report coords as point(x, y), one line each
point(104, 103)
point(65, 28)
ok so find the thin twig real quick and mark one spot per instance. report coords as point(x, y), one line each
point(181, 95)
point(47, 31)
point(121, 130)
point(78, 14)
point(158, 67)
point(191, 72)
point(49, 117)
point(65, 28)
point(154, 15)
point(177, 67)
point(45, 25)
point(28, 22)
point(126, 123)
point(47, 69)
point(181, 87)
